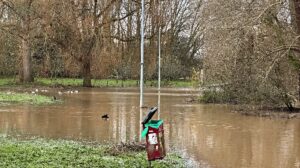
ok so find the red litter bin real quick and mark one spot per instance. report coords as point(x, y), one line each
point(154, 133)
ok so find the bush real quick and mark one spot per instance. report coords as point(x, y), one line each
point(214, 96)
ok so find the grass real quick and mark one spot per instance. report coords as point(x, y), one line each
point(59, 153)
point(7, 81)
point(75, 82)
point(10, 97)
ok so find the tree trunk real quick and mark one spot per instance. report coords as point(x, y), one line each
point(106, 30)
point(26, 62)
point(299, 84)
point(86, 71)
point(296, 10)
point(296, 24)
point(27, 75)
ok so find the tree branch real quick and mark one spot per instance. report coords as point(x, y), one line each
point(118, 19)
point(11, 32)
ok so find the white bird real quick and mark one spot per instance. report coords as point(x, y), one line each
point(36, 90)
point(60, 93)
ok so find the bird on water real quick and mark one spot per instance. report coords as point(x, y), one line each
point(105, 117)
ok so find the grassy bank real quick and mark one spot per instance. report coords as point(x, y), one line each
point(49, 153)
point(11, 97)
point(74, 82)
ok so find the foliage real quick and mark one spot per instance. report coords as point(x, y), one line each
point(8, 53)
point(214, 96)
point(60, 153)
point(248, 51)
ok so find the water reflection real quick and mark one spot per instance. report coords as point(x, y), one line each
point(203, 132)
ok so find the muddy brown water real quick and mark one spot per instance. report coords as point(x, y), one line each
point(208, 134)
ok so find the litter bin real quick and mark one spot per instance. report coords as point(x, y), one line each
point(153, 130)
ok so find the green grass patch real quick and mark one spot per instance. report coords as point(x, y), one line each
point(76, 82)
point(11, 97)
point(114, 83)
point(58, 153)
point(59, 81)
point(7, 81)
point(182, 84)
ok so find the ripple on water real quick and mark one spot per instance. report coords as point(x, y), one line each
point(6, 111)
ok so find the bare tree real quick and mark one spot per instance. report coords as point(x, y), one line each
point(86, 24)
point(22, 21)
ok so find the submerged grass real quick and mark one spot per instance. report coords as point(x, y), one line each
point(10, 97)
point(76, 82)
point(59, 153)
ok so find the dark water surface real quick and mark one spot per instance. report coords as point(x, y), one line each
point(208, 134)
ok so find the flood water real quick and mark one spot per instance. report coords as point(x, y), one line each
point(208, 134)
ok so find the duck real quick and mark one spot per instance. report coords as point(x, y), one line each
point(105, 117)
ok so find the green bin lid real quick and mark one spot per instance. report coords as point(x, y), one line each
point(152, 124)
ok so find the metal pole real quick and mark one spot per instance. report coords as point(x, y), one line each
point(158, 105)
point(141, 126)
point(159, 45)
point(142, 57)
point(159, 57)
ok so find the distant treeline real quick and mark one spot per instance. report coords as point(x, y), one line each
point(97, 39)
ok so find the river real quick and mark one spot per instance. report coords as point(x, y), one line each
point(210, 135)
